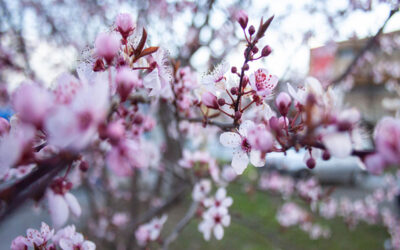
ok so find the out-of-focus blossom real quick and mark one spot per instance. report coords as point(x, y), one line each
point(126, 80)
point(107, 46)
point(201, 190)
point(283, 102)
point(291, 214)
point(214, 221)
point(220, 199)
point(32, 103)
point(69, 239)
point(60, 205)
point(159, 79)
point(150, 231)
point(124, 24)
point(73, 126)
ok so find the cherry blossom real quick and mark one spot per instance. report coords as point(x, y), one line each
point(69, 239)
point(201, 190)
point(124, 24)
point(150, 231)
point(60, 205)
point(214, 221)
point(263, 83)
point(219, 200)
point(159, 79)
point(107, 46)
point(241, 148)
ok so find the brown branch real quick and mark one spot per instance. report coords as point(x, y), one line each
point(181, 225)
point(223, 126)
point(33, 185)
point(367, 46)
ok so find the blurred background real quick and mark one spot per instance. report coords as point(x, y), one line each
point(353, 44)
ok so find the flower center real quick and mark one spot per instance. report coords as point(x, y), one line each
point(246, 145)
point(217, 219)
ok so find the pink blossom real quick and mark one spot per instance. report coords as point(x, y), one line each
point(242, 18)
point(263, 83)
point(216, 78)
point(375, 163)
point(209, 100)
point(4, 126)
point(260, 138)
point(228, 174)
point(73, 126)
point(201, 190)
point(241, 148)
point(34, 237)
point(32, 103)
point(126, 80)
point(120, 219)
point(107, 46)
point(124, 24)
point(66, 88)
point(291, 214)
point(150, 231)
point(19, 243)
point(283, 102)
point(60, 205)
point(219, 200)
point(123, 158)
point(214, 221)
point(13, 145)
point(69, 239)
point(387, 139)
point(159, 80)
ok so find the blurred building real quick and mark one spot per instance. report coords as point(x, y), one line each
point(375, 71)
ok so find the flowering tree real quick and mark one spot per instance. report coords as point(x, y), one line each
point(97, 130)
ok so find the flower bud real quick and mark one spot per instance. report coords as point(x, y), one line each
point(234, 90)
point(234, 70)
point(266, 51)
point(242, 18)
point(283, 102)
point(221, 101)
point(245, 81)
point(254, 49)
point(126, 79)
point(326, 155)
point(246, 66)
point(209, 100)
point(107, 46)
point(252, 30)
point(125, 25)
point(311, 163)
point(83, 166)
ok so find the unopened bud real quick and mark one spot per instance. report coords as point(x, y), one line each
point(252, 30)
point(234, 70)
point(326, 155)
point(246, 67)
point(254, 49)
point(266, 51)
point(221, 101)
point(242, 18)
point(311, 163)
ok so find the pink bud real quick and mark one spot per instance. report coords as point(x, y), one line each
point(210, 100)
point(115, 131)
point(124, 24)
point(4, 126)
point(374, 163)
point(107, 46)
point(260, 138)
point(126, 79)
point(242, 18)
point(387, 134)
point(283, 102)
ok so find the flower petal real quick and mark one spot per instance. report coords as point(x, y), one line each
point(230, 139)
point(240, 160)
point(219, 232)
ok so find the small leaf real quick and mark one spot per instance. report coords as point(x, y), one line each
point(141, 44)
point(148, 51)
